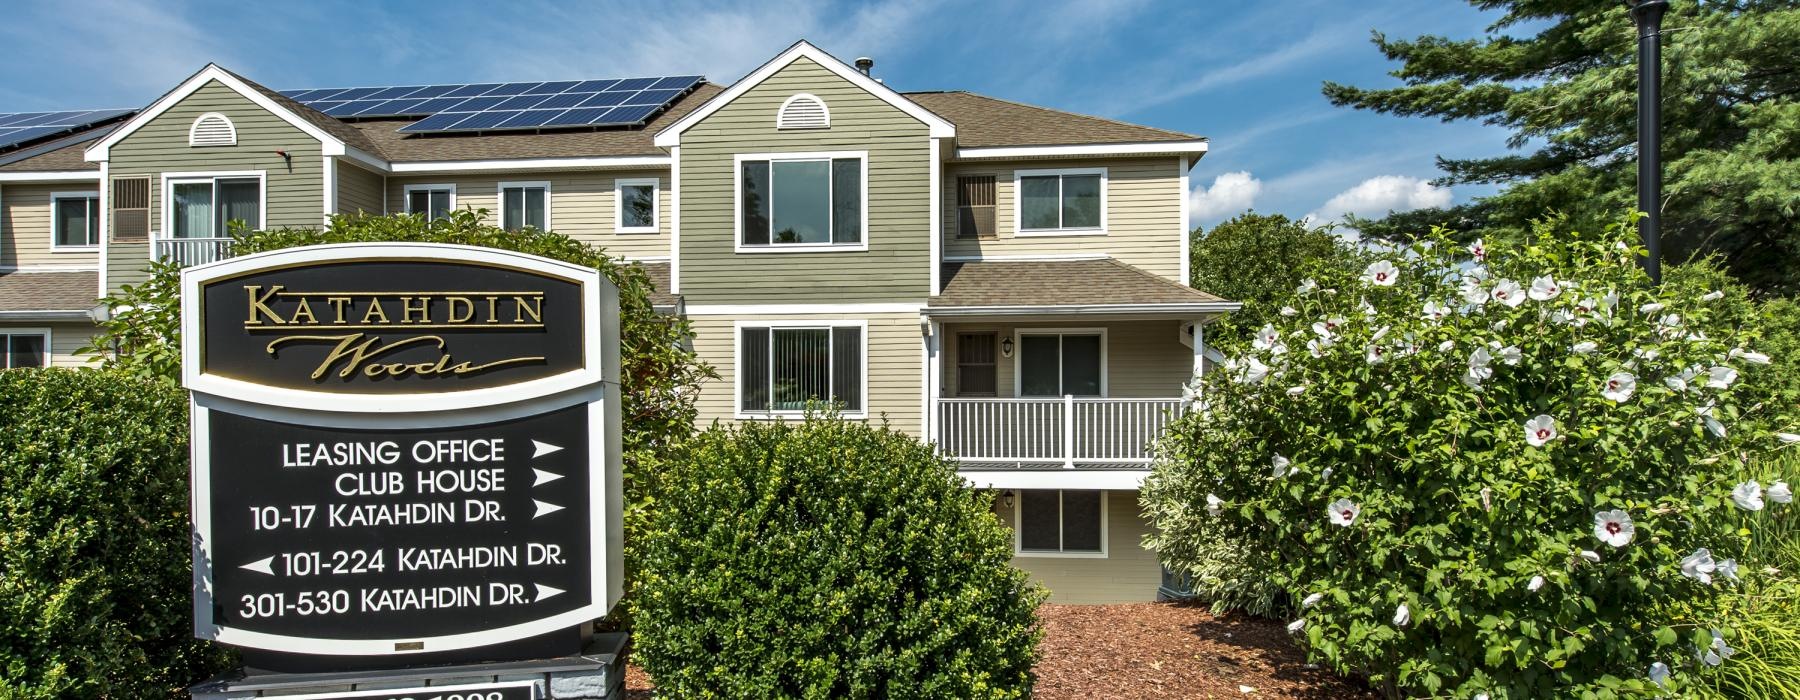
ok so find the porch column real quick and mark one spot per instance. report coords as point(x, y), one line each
point(934, 378)
point(1199, 348)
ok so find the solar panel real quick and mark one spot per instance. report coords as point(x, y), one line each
point(498, 106)
point(20, 127)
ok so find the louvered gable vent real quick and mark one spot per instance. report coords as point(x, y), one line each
point(212, 129)
point(803, 111)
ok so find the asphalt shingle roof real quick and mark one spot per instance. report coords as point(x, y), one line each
point(983, 121)
point(1058, 283)
point(48, 291)
point(659, 280)
point(66, 158)
point(557, 144)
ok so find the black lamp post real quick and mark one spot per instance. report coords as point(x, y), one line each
point(1649, 16)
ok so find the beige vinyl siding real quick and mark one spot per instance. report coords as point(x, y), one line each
point(25, 233)
point(1128, 574)
point(894, 348)
point(1144, 359)
point(582, 205)
point(65, 339)
point(294, 194)
point(895, 268)
point(1143, 213)
point(358, 190)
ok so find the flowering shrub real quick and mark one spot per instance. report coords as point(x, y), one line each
point(1502, 474)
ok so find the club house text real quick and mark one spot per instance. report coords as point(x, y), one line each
point(345, 319)
point(454, 479)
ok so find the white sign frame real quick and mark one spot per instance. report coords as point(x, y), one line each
point(534, 688)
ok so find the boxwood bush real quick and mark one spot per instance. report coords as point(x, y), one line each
point(1511, 473)
point(828, 559)
point(94, 578)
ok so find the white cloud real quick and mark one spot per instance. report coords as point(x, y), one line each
point(1381, 194)
point(1230, 194)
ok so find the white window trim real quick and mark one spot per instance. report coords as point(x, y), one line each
point(737, 364)
point(500, 199)
point(230, 126)
point(782, 113)
point(737, 204)
point(1018, 203)
point(619, 185)
point(170, 180)
point(1018, 356)
point(56, 247)
point(407, 190)
point(1019, 537)
point(49, 343)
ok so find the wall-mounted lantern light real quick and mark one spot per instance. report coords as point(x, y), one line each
point(1006, 499)
point(1006, 347)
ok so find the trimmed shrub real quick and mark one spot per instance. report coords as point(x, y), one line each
point(828, 559)
point(1518, 472)
point(94, 578)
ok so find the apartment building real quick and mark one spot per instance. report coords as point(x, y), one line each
point(1006, 281)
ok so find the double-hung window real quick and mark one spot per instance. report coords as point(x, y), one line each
point(1054, 202)
point(522, 205)
point(637, 205)
point(802, 201)
point(21, 349)
point(783, 367)
point(75, 219)
point(207, 206)
point(433, 201)
point(1062, 363)
point(1060, 523)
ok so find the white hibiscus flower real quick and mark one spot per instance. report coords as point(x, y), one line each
point(1280, 465)
point(1435, 311)
point(1591, 556)
point(1748, 495)
point(1659, 673)
point(1381, 273)
point(1585, 347)
point(1375, 354)
point(1214, 505)
point(1447, 346)
point(1510, 355)
point(1729, 568)
point(1266, 338)
point(1478, 249)
point(1507, 292)
point(1296, 390)
point(1402, 615)
point(1752, 357)
point(1540, 430)
point(1535, 583)
point(1780, 493)
point(1788, 438)
point(1307, 286)
point(1713, 295)
point(1720, 377)
point(1327, 329)
point(1289, 311)
point(1614, 527)
point(1295, 626)
point(1545, 288)
point(1312, 600)
point(1699, 565)
point(1343, 512)
point(1251, 371)
point(1317, 346)
point(1473, 293)
point(1650, 308)
point(1619, 387)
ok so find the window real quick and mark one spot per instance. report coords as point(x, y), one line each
point(24, 349)
point(975, 206)
point(637, 205)
point(1061, 362)
point(1050, 202)
point(522, 204)
point(74, 219)
point(802, 201)
point(783, 366)
point(434, 201)
point(1060, 523)
point(975, 364)
point(207, 206)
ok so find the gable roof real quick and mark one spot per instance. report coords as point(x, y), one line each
point(56, 158)
point(983, 121)
point(329, 142)
point(351, 136)
point(45, 293)
point(1098, 282)
point(671, 136)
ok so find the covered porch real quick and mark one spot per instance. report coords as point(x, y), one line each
point(1042, 367)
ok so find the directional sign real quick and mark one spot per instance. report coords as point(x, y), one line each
point(514, 690)
point(401, 449)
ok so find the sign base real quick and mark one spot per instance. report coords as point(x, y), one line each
point(598, 673)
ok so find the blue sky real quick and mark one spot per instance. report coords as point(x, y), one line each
point(1245, 74)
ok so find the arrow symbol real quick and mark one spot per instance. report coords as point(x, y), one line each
point(544, 477)
point(540, 449)
point(261, 566)
point(544, 509)
point(545, 592)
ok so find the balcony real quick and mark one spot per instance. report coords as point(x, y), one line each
point(1052, 433)
point(188, 252)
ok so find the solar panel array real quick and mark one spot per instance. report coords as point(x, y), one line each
point(21, 127)
point(505, 106)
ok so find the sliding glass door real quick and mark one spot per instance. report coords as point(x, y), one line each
point(205, 207)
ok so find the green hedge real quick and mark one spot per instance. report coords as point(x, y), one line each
point(94, 579)
point(828, 559)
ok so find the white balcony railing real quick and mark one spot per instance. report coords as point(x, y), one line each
point(192, 251)
point(1068, 432)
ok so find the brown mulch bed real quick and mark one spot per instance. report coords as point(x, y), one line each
point(1158, 650)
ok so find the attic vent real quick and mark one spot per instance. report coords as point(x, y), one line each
point(803, 111)
point(212, 129)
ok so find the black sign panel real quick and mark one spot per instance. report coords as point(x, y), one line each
point(356, 534)
point(488, 691)
point(391, 327)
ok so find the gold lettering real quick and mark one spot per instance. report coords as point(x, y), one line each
point(357, 352)
point(374, 314)
point(303, 314)
point(468, 309)
point(408, 308)
point(492, 316)
point(259, 304)
point(337, 305)
point(536, 311)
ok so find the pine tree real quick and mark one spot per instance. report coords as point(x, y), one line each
point(1566, 87)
